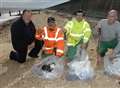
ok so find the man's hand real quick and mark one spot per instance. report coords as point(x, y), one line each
point(110, 53)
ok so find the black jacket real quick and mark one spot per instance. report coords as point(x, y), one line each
point(22, 34)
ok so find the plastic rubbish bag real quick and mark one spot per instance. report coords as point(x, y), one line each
point(80, 68)
point(112, 67)
point(51, 68)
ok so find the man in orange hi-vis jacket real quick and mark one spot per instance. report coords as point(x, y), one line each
point(52, 37)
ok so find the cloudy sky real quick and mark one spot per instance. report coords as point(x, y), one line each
point(30, 0)
point(31, 4)
point(15, 0)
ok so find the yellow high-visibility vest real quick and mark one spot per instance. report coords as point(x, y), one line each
point(75, 31)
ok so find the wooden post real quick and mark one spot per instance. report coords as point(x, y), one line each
point(19, 13)
point(10, 13)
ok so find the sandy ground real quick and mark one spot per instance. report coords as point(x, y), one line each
point(15, 75)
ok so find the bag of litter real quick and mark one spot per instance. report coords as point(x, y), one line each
point(80, 68)
point(112, 67)
point(51, 68)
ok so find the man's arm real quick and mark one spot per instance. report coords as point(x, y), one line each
point(98, 28)
point(117, 48)
point(15, 32)
point(68, 27)
point(39, 34)
point(33, 28)
point(60, 44)
point(16, 35)
point(30, 34)
point(87, 33)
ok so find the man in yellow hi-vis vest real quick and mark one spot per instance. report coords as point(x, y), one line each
point(78, 31)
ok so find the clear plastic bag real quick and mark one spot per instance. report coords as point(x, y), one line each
point(80, 68)
point(112, 67)
point(51, 68)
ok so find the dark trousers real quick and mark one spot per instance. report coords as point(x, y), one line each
point(38, 46)
point(19, 55)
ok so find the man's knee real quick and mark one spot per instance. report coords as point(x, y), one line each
point(71, 53)
point(13, 55)
point(101, 51)
point(19, 55)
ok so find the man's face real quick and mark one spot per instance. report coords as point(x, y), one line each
point(112, 17)
point(27, 16)
point(51, 25)
point(79, 16)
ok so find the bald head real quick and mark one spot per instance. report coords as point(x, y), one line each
point(112, 16)
point(113, 12)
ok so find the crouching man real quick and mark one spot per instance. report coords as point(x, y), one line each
point(22, 35)
point(51, 38)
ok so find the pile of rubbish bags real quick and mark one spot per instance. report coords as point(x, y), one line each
point(112, 66)
point(80, 68)
point(51, 68)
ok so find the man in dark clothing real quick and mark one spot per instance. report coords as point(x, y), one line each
point(22, 35)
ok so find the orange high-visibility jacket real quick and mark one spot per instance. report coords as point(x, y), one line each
point(53, 40)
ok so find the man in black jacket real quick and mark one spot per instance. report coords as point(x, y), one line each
point(22, 35)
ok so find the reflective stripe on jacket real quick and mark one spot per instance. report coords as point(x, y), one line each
point(75, 31)
point(53, 41)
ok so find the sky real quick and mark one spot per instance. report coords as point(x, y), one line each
point(16, 0)
point(30, 0)
point(31, 4)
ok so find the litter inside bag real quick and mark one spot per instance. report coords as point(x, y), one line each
point(80, 68)
point(51, 67)
point(112, 67)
